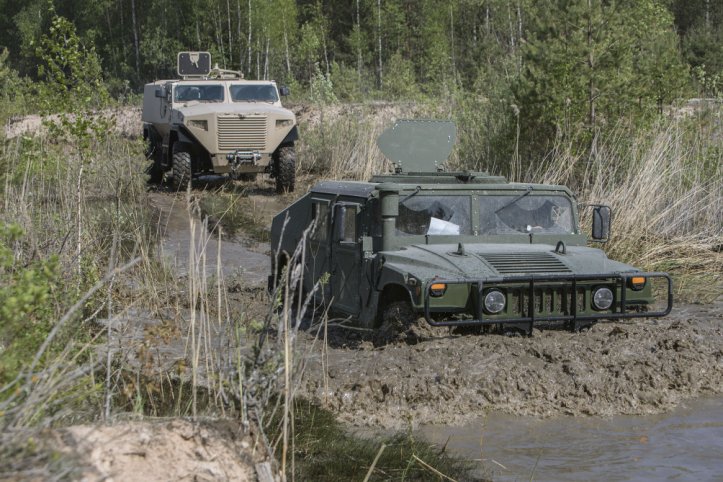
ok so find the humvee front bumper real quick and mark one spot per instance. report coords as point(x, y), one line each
point(547, 298)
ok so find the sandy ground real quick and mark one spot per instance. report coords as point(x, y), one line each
point(160, 450)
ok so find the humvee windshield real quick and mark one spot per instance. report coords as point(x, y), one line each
point(499, 215)
point(200, 93)
point(246, 93)
point(525, 214)
point(434, 215)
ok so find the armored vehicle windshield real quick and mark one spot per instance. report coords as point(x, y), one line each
point(253, 93)
point(201, 93)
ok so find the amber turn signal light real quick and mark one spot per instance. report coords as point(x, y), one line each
point(437, 289)
point(637, 282)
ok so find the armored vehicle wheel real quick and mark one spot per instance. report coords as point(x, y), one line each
point(182, 169)
point(285, 169)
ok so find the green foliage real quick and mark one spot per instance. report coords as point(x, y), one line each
point(12, 89)
point(26, 303)
point(72, 72)
point(321, 90)
point(399, 79)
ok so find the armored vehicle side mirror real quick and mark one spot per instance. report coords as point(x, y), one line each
point(601, 223)
point(160, 91)
point(284, 91)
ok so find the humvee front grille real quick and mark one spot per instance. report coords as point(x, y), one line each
point(247, 133)
point(506, 263)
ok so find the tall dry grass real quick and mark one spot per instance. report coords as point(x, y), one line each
point(664, 182)
point(665, 186)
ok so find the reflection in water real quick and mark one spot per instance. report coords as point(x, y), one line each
point(686, 444)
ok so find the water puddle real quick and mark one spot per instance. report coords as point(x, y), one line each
point(685, 444)
point(235, 258)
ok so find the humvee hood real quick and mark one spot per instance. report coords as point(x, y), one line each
point(493, 260)
point(192, 109)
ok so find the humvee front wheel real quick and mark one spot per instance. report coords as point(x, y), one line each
point(399, 323)
point(182, 168)
point(285, 169)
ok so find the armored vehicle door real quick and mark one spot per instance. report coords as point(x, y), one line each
point(345, 260)
point(317, 258)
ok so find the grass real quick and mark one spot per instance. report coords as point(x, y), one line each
point(324, 450)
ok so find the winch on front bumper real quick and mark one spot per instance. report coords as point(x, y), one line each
point(530, 299)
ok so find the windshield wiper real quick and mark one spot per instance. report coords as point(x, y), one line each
point(406, 198)
point(514, 201)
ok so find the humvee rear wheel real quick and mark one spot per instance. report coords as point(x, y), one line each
point(182, 170)
point(285, 169)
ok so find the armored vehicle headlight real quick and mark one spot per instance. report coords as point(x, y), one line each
point(199, 124)
point(602, 298)
point(284, 122)
point(637, 283)
point(437, 289)
point(495, 301)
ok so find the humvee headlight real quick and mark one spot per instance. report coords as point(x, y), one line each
point(437, 289)
point(199, 124)
point(602, 298)
point(284, 122)
point(495, 301)
point(637, 283)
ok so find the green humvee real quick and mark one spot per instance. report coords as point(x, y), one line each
point(456, 248)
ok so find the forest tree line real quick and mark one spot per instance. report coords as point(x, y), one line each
point(527, 72)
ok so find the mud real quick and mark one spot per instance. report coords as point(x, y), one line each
point(638, 367)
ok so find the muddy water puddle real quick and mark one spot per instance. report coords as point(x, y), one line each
point(228, 257)
point(685, 444)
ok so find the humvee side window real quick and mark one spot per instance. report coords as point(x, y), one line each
point(320, 218)
point(348, 224)
point(201, 93)
point(434, 215)
point(512, 214)
point(246, 93)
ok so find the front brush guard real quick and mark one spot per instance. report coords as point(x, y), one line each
point(620, 280)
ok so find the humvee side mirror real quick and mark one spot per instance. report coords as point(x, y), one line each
point(601, 223)
point(160, 91)
point(284, 91)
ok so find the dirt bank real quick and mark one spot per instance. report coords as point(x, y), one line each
point(641, 367)
point(160, 450)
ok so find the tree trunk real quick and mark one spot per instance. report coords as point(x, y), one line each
point(286, 44)
point(230, 35)
point(379, 38)
point(358, 47)
point(250, 37)
point(240, 50)
point(135, 37)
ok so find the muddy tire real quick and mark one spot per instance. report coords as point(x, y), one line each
point(400, 324)
point(285, 169)
point(182, 168)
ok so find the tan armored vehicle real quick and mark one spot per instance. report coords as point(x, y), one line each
point(215, 122)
